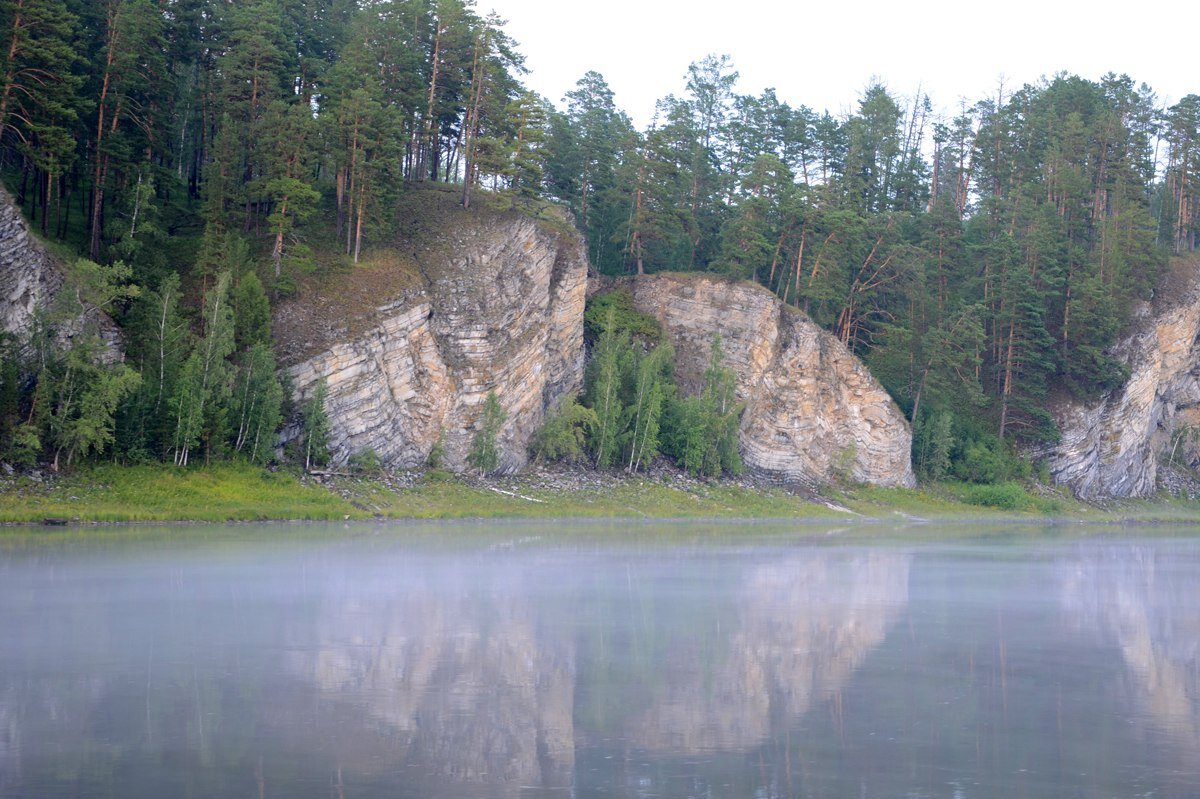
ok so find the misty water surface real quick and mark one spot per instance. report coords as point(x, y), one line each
point(583, 661)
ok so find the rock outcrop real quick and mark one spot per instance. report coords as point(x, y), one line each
point(494, 302)
point(32, 278)
point(1113, 447)
point(813, 411)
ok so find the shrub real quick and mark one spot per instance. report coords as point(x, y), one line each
point(565, 432)
point(1005, 496)
point(365, 461)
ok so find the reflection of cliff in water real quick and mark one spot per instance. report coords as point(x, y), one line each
point(1146, 603)
point(478, 679)
point(456, 677)
point(801, 628)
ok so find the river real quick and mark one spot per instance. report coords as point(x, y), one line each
point(600, 660)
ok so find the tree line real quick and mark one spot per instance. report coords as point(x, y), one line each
point(205, 156)
point(182, 150)
point(979, 263)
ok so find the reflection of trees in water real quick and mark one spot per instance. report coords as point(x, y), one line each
point(455, 675)
point(802, 626)
point(1146, 603)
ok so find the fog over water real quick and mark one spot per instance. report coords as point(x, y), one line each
point(560, 660)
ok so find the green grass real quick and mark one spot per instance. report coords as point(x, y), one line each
point(951, 500)
point(227, 492)
point(441, 496)
point(239, 492)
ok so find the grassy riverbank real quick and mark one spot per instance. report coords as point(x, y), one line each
point(233, 492)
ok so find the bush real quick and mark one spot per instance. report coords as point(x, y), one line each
point(564, 434)
point(365, 461)
point(1005, 496)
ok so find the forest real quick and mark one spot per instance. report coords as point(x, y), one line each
point(195, 161)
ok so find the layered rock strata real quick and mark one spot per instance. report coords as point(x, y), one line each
point(812, 410)
point(499, 308)
point(1113, 447)
point(32, 279)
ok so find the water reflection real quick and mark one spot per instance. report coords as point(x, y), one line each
point(454, 667)
point(670, 668)
point(1146, 603)
point(800, 628)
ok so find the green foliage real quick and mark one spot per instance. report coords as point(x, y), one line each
point(842, 464)
point(933, 445)
point(1008, 496)
point(204, 387)
point(83, 397)
point(251, 312)
point(653, 387)
point(987, 459)
point(564, 434)
point(10, 394)
point(157, 342)
point(26, 445)
point(701, 433)
point(257, 404)
point(606, 372)
point(437, 453)
point(484, 455)
point(615, 310)
point(315, 428)
point(366, 461)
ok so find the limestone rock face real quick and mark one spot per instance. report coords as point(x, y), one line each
point(812, 408)
point(31, 278)
point(1113, 447)
point(498, 308)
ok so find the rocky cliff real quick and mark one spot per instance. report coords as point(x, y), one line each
point(477, 302)
point(493, 301)
point(1113, 447)
point(32, 278)
point(813, 411)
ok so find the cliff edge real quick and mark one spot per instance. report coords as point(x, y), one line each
point(1113, 447)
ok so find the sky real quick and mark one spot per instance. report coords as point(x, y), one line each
point(823, 54)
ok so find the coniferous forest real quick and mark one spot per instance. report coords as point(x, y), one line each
point(195, 161)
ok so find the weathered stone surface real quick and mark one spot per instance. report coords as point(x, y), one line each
point(1112, 447)
point(31, 278)
point(501, 309)
point(812, 408)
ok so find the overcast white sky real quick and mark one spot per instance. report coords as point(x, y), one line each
point(822, 54)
